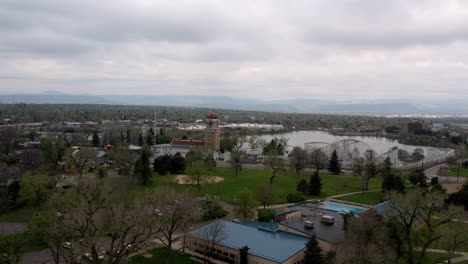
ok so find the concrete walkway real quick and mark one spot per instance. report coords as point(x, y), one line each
point(346, 194)
point(463, 255)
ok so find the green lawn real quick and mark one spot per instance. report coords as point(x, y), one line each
point(454, 172)
point(159, 255)
point(283, 184)
point(28, 243)
point(462, 228)
point(22, 215)
point(370, 198)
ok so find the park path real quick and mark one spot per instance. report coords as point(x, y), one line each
point(463, 255)
point(12, 228)
point(351, 193)
point(433, 172)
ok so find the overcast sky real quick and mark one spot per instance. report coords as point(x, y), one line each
point(347, 50)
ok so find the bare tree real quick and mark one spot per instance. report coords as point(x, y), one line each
point(245, 204)
point(318, 159)
point(297, 159)
point(8, 135)
point(80, 159)
point(413, 212)
point(366, 241)
point(123, 159)
point(275, 163)
point(237, 155)
point(212, 235)
point(264, 195)
point(82, 214)
point(199, 173)
point(452, 238)
point(177, 211)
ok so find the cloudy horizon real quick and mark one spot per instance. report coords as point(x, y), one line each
point(353, 50)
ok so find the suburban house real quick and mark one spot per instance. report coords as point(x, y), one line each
point(267, 243)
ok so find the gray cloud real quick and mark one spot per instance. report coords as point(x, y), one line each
point(267, 49)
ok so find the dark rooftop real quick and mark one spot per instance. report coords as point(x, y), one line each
point(331, 233)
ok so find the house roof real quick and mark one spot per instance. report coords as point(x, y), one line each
point(188, 142)
point(274, 245)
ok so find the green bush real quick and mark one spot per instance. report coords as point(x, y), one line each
point(295, 197)
point(266, 215)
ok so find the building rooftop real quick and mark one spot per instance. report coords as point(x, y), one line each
point(331, 233)
point(188, 142)
point(271, 244)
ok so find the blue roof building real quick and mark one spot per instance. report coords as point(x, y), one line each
point(266, 243)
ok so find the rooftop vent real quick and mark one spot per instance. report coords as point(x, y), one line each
point(308, 224)
point(327, 219)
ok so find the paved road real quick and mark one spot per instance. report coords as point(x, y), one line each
point(434, 172)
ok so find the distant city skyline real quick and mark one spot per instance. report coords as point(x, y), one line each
point(340, 50)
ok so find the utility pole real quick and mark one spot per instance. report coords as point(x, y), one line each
point(156, 128)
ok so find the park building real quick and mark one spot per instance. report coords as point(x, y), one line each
point(211, 141)
point(267, 243)
point(212, 133)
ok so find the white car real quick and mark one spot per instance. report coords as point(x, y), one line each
point(67, 245)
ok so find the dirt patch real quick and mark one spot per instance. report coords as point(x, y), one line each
point(452, 187)
point(147, 255)
point(187, 179)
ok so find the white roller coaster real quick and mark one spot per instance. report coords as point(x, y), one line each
point(350, 149)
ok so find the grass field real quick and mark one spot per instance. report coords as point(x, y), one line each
point(159, 255)
point(22, 215)
point(28, 243)
point(460, 227)
point(454, 172)
point(283, 184)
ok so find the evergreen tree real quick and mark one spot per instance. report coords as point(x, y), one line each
point(150, 137)
point(392, 182)
point(313, 253)
point(122, 138)
point(142, 168)
point(315, 184)
point(302, 186)
point(140, 139)
point(128, 136)
point(244, 252)
point(334, 166)
point(387, 167)
point(96, 140)
point(178, 164)
point(163, 165)
point(149, 140)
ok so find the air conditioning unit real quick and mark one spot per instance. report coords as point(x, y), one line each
point(327, 219)
point(308, 224)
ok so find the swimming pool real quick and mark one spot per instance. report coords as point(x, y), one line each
point(338, 207)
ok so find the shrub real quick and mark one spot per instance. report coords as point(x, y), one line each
point(465, 164)
point(434, 181)
point(295, 197)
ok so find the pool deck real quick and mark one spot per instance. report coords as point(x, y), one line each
point(366, 206)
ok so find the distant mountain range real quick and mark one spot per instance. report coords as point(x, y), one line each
point(453, 107)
